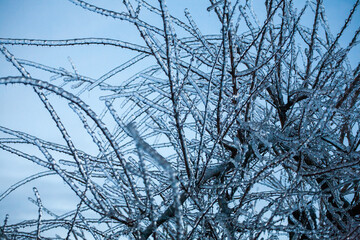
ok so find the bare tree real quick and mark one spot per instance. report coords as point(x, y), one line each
point(250, 133)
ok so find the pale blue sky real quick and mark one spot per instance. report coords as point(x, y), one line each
point(59, 19)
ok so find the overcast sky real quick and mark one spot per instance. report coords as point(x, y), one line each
point(59, 19)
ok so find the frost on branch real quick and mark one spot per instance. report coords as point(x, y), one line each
point(251, 132)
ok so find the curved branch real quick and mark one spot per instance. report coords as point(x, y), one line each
point(73, 42)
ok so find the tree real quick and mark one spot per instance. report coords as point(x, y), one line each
point(240, 135)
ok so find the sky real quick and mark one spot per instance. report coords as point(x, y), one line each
point(59, 19)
